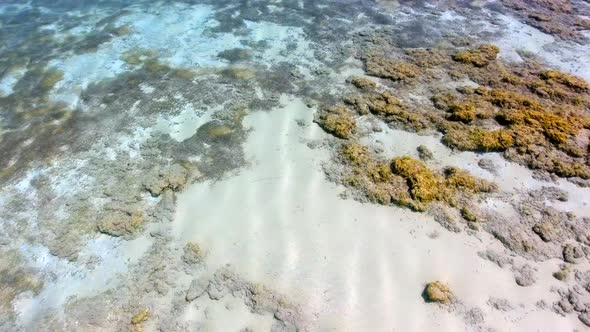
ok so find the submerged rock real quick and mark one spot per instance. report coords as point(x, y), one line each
point(197, 288)
point(563, 273)
point(173, 178)
point(585, 318)
point(488, 165)
point(120, 223)
point(193, 254)
point(437, 292)
point(545, 230)
point(424, 153)
point(525, 275)
point(572, 253)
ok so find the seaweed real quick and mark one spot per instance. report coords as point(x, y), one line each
point(478, 139)
point(462, 112)
point(437, 292)
point(363, 83)
point(338, 121)
point(140, 317)
point(478, 57)
point(396, 70)
point(424, 184)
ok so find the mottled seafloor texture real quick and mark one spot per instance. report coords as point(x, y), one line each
point(294, 165)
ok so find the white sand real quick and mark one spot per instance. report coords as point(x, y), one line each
point(358, 267)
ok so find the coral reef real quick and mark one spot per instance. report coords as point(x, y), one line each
point(477, 139)
point(63, 184)
point(235, 55)
point(525, 275)
point(239, 73)
point(260, 299)
point(571, 81)
point(574, 300)
point(424, 185)
point(49, 79)
point(462, 112)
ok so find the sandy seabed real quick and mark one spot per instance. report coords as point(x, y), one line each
point(163, 169)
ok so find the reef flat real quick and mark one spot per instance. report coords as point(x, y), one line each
point(294, 165)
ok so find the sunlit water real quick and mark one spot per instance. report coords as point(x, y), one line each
point(99, 98)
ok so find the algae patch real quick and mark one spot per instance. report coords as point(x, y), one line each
point(338, 120)
point(481, 56)
point(404, 180)
point(437, 292)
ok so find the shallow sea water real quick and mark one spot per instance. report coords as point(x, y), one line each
point(163, 168)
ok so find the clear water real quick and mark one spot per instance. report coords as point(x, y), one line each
point(164, 166)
